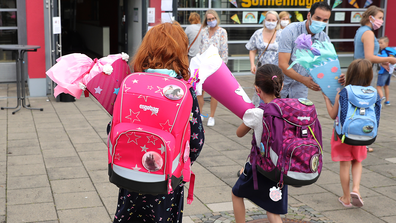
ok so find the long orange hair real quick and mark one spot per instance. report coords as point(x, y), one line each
point(164, 47)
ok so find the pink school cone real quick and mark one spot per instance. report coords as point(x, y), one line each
point(223, 86)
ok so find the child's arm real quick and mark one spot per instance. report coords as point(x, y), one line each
point(242, 130)
point(332, 109)
point(252, 119)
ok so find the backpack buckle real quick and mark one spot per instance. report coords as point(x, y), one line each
point(362, 111)
point(304, 132)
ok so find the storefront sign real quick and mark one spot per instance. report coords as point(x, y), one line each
point(280, 3)
point(249, 17)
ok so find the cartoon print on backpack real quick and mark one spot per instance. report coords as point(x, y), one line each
point(173, 92)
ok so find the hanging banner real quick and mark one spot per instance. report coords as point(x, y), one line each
point(262, 17)
point(353, 3)
point(236, 18)
point(234, 3)
point(336, 3)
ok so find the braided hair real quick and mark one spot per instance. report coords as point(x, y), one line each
point(269, 78)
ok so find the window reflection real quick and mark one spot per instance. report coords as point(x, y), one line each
point(8, 28)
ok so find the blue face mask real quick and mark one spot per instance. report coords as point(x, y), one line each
point(212, 23)
point(316, 26)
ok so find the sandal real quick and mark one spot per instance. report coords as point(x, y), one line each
point(356, 200)
point(345, 205)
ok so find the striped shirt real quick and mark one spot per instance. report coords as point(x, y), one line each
point(291, 87)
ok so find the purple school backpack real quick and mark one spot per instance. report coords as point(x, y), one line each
point(290, 151)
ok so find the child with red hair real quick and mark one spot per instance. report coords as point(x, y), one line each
point(163, 50)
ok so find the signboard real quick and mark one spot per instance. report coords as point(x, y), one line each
point(278, 3)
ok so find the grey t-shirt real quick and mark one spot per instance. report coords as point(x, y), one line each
point(192, 31)
point(293, 88)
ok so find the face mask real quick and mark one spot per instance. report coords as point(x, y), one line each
point(377, 23)
point(270, 25)
point(316, 26)
point(284, 23)
point(212, 23)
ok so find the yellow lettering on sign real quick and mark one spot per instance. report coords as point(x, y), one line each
point(246, 3)
point(308, 3)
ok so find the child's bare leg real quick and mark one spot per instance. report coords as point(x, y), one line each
point(386, 88)
point(356, 175)
point(213, 106)
point(239, 208)
point(344, 177)
point(274, 218)
point(379, 90)
point(201, 101)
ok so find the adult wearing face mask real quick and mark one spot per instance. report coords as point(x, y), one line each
point(259, 41)
point(366, 44)
point(297, 80)
point(284, 19)
point(214, 35)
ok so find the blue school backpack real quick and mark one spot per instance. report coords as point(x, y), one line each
point(358, 115)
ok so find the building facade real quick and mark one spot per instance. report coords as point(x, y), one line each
point(101, 27)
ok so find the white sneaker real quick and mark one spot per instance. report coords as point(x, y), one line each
point(211, 121)
point(202, 118)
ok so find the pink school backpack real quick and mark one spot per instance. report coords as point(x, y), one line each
point(150, 132)
point(290, 151)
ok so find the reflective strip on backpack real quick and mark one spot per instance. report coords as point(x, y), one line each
point(137, 175)
point(274, 157)
point(175, 163)
point(302, 176)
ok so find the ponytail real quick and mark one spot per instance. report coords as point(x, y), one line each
point(269, 78)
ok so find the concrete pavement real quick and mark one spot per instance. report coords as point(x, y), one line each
point(53, 167)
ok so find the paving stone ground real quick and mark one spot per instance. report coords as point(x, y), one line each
point(53, 167)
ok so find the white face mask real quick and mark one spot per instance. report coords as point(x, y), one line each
point(270, 25)
point(284, 23)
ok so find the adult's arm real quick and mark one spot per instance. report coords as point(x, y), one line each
point(284, 54)
point(252, 55)
point(368, 44)
point(283, 62)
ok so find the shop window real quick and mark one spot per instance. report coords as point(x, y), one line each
point(8, 28)
point(193, 4)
